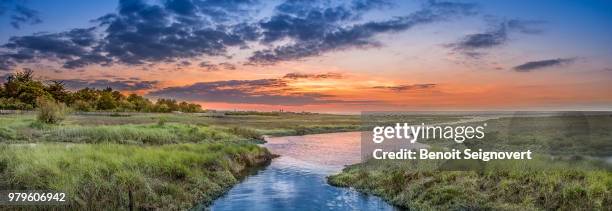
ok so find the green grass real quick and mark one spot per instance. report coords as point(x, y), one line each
point(279, 124)
point(566, 174)
point(141, 134)
point(26, 129)
point(173, 161)
point(165, 161)
point(563, 135)
point(501, 185)
point(100, 176)
point(163, 164)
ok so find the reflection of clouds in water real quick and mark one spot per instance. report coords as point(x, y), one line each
point(296, 180)
point(293, 164)
point(331, 151)
point(283, 189)
point(345, 199)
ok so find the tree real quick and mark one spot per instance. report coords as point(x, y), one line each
point(22, 92)
point(81, 105)
point(86, 94)
point(140, 103)
point(166, 105)
point(189, 107)
point(59, 92)
point(21, 86)
point(106, 101)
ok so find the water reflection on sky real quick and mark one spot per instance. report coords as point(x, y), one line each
point(296, 180)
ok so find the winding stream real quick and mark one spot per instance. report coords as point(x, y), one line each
point(296, 180)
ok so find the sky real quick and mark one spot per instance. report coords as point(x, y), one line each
point(322, 56)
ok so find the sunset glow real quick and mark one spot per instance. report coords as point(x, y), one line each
point(420, 55)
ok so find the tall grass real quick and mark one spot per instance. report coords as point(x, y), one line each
point(539, 184)
point(248, 133)
point(102, 176)
point(139, 134)
point(26, 128)
point(90, 129)
point(145, 161)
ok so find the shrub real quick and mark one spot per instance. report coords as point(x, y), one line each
point(161, 122)
point(50, 111)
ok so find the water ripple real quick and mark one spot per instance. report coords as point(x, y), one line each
point(296, 180)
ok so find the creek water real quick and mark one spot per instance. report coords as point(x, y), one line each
point(297, 179)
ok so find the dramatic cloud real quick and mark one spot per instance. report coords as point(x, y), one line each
point(6, 63)
point(138, 33)
point(496, 36)
point(316, 30)
point(535, 65)
point(208, 66)
point(227, 66)
point(212, 10)
point(261, 91)
point(177, 30)
point(122, 85)
point(20, 14)
point(295, 76)
point(72, 46)
point(407, 87)
point(215, 67)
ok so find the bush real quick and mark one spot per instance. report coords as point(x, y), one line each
point(50, 111)
point(161, 122)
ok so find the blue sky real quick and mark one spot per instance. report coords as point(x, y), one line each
point(574, 23)
point(442, 54)
point(591, 17)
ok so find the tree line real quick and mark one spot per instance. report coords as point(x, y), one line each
point(21, 91)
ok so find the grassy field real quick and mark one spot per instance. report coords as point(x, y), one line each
point(175, 161)
point(103, 176)
point(537, 185)
point(157, 161)
point(277, 124)
point(567, 173)
point(170, 128)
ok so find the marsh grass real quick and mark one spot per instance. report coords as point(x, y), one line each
point(137, 134)
point(248, 133)
point(18, 129)
point(170, 128)
point(164, 161)
point(566, 174)
point(277, 124)
point(101, 176)
point(539, 184)
point(170, 166)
